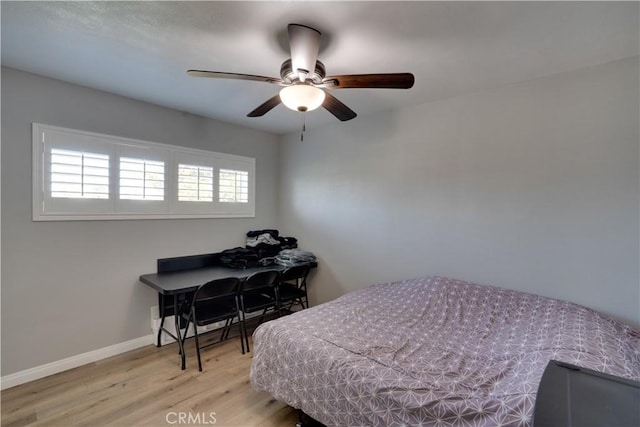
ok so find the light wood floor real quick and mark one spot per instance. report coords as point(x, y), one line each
point(145, 387)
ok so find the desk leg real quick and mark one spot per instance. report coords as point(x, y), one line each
point(161, 308)
point(176, 317)
point(159, 340)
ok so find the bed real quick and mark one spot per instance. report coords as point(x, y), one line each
point(432, 351)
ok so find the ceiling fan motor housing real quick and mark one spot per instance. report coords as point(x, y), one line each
point(289, 76)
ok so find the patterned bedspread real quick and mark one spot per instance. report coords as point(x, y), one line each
point(432, 351)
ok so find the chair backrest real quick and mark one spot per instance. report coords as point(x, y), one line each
point(295, 272)
point(260, 280)
point(217, 289)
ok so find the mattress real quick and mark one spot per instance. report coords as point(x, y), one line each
point(432, 351)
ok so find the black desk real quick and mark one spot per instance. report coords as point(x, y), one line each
point(182, 282)
point(177, 277)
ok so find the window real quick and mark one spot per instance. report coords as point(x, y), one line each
point(234, 186)
point(81, 175)
point(141, 179)
point(195, 183)
point(77, 174)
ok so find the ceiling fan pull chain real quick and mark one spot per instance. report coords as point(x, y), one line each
point(304, 127)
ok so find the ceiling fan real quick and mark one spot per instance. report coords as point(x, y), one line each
point(304, 79)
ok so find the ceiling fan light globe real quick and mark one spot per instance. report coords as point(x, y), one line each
point(302, 97)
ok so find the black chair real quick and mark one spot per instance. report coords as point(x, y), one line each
point(292, 288)
point(213, 302)
point(258, 292)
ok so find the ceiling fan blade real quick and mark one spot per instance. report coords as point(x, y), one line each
point(304, 43)
point(265, 107)
point(337, 108)
point(370, 81)
point(236, 76)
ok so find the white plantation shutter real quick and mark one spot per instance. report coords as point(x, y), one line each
point(196, 186)
point(141, 179)
point(234, 186)
point(236, 183)
point(80, 175)
point(142, 175)
point(72, 174)
point(195, 183)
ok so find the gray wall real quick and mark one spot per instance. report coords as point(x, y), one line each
point(71, 287)
point(532, 186)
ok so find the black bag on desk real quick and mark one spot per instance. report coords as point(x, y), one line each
point(268, 242)
point(288, 242)
point(239, 258)
point(255, 233)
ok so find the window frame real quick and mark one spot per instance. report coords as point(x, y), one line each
point(47, 208)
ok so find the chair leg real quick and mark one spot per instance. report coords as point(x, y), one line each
point(186, 331)
point(262, 316)
point(244, 324)
point(240, 323)
point(246, 334)
point(290, 306)
point(195, 333)
point(278, 306)
point(225, 332)
point(240, 326)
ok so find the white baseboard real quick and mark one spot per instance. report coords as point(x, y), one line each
point(42, 371)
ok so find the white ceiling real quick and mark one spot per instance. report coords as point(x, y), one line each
point(143, 49)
